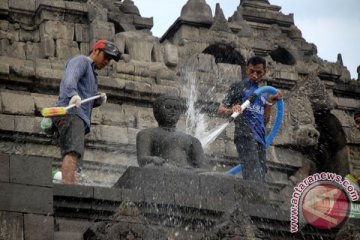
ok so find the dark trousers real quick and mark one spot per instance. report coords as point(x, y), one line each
point(252, 155)
point(71, 136)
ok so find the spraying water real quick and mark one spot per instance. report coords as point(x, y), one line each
point(196, 124)
point(212, 135)
point(195, 121)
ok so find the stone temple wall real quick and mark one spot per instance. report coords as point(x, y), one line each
point(38, 37)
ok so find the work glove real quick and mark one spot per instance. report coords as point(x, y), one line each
point(103, 98)
point(75, 100)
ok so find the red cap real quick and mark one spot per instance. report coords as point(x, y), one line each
point(100, 44)
point(108, 47)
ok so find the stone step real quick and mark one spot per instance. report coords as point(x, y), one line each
point(68, 236)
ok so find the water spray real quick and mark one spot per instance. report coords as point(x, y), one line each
point(278, 120)
point(217, 131)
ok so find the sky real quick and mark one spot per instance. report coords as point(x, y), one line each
point(332, 25)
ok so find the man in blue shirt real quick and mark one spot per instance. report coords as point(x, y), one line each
point(80, 82)
point(249, 135)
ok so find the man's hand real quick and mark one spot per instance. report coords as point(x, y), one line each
point(99, 101)
point(75, 100)
point(103, 98)
point(275, 97)
point(236, 108)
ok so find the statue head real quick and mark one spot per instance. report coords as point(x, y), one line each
point(167, 110)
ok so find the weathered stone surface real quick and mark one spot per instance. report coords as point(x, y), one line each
point(16, 103)
point(30, 170)
point(168, 185)
point(145, 119)
point(29, 35)
point(28, 199)
point(127, 223)
point(42, 101)
point(4, 168)
point(217, 147)
point(101, 30)
point(229, 227)
point(72, 225)
point(33, 149)
point(75, 6)
point(140, 46)
point(19, 5)
point(104, 194)
point(17, 49)
point(197, 11)
point(109, 134)
point(278, 155)
point(23, 69)
point(4, 68)
point(132, 132)
point(47, 46)
point(38, 227)
point(82, 33)
point(132, 195)
point(33, 51)
point(7, 122)
point(171, 55)
point(54, 4)
point(65, 48)
point(12, 225)
point(84, 48)
point(68, 235)
point(4, 5)
point(73, 191)
point(27, 124)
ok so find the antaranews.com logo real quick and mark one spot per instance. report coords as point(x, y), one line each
point(322, 200)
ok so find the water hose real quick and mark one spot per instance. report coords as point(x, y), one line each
point(278, 120)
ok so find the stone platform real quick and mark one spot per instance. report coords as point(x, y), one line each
point(176, 204)
point(151, 203)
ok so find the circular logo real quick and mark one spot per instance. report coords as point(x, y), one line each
point(325, 206)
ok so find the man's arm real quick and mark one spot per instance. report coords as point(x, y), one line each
point(232, 100)
point(74, 70)
point(267, 109)
point(222, 110)
point(267, 113)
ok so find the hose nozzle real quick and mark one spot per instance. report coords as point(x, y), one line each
point(233, 116)
point(236, 114)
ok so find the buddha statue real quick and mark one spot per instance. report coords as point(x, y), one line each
point(166, 145)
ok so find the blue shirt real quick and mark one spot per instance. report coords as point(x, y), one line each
point(79, 79)
point(251, 122)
